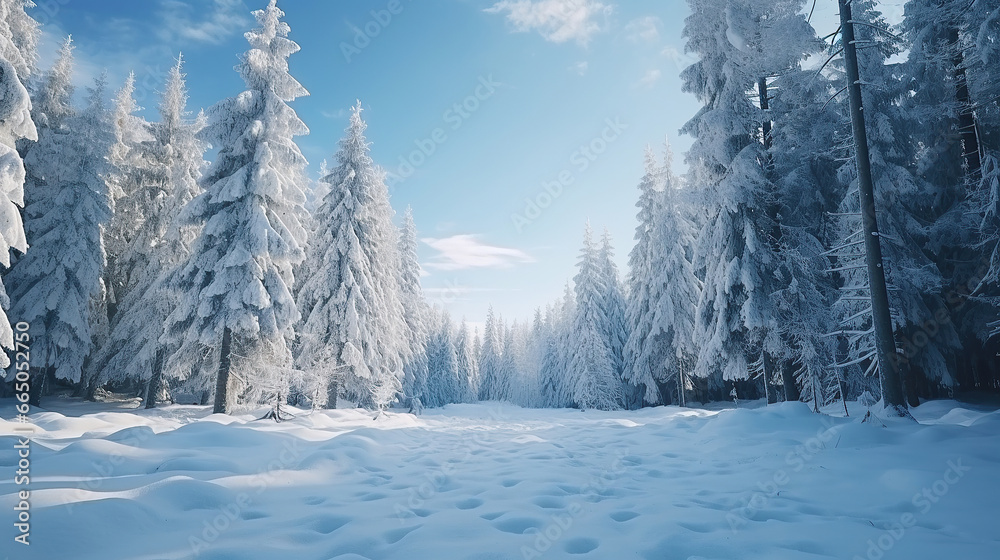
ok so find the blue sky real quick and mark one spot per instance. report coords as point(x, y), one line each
point(473, 105)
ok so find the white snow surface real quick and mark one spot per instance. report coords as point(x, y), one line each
point(497, 482)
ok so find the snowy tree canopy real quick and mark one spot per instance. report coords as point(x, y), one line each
point(354, 329)
point(240, 269)
point(172, 166)
point(54, 284)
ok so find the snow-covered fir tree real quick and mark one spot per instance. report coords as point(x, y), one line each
point(354, 331)
point(809, 141)
point(235, 284)
point(663, 286)
point(738, 43)
point(616, 328)
point(444, 385)
point(490, 384)
point(415, 310)
point(130, 172)
point(468, 366)
point(154, 247)
point(595, 384)
point(53, 286)
point(903, 200)
point(18, 37)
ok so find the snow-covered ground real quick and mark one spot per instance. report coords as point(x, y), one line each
point(492, 482)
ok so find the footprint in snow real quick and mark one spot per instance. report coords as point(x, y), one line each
point(469, 503)
point(580, 545)
point(623, 516)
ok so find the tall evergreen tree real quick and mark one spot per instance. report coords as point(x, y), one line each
point(903, 202)
point(18, 37)
point(157, 245)
point(354, 329)
point(53, 287)
point(415, 309)
point(467, 364)
point(235, 283)
point(595, 384)
point(489, 359)
point(663, 286)
point(616, 328)
point(444, 385)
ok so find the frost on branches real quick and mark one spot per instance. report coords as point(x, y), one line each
point(235, 285)
point(54, 284)
point(18, 35)
point(353, 331)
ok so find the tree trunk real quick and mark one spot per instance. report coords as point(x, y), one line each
point(155, 381)
point(331, 394)
point(966, 115)
point(765, 367)
point(222, 379)
point(680, 383)
point(37, 386)
point(910, 385)
point(788, 381)
point(892, 387)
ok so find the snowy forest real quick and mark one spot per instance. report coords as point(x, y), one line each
point(143, 268)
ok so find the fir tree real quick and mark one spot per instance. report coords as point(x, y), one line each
point(595, 384)
point(157, 245)
point(235, 283)
point(354, 330)
point(18, 36)
point(54, 285)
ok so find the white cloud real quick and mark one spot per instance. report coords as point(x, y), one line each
point(580, 68)
point(336, 115)
point(650, 79)
point(181, 20)
point(557, 21)
point(460, 252)
point(644, 30)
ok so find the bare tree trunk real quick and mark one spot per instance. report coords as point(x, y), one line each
point(788, 380)
point(892, 387)
point(156, 380)
point(37, 386)
point(222, 379)
point(331, 394)
point(766, 373)
point(966, 115)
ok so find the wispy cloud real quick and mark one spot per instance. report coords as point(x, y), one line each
point(180, 21)
point(650, 79)
point(557, 21)
point(580, 68)
point(336, 115)
point(644, 30)
point(460, 252)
